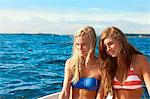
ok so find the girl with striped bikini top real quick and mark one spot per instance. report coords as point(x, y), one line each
point(117, 53)
point(132, 81)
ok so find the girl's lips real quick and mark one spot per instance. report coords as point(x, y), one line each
point(82, 51)
point(111, 52)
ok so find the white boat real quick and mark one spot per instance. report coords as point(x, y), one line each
point(51, 96)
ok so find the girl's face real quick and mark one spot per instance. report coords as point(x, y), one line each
point(112, 46)
point(82, 45)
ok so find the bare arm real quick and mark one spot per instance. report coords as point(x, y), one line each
point(100, 93)
point(146, 73)
point(145, 67)
point(65, 93)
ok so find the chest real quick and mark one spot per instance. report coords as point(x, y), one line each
point(90, 71)
point(123, 75)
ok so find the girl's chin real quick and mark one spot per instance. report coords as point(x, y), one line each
point(113, 55)
point(82, 55)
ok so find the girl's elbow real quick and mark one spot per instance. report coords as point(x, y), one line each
point(63, 95)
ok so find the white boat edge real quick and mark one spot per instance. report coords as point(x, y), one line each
point(56, 95)
point(51, 96)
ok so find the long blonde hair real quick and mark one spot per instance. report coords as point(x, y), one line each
point(108, 63)
point(76, 59)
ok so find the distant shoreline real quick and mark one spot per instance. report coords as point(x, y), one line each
point(139, 35)
point(127, 34)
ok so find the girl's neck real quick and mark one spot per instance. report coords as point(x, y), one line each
point(91, 59)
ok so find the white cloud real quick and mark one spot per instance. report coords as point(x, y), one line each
point(67, 22)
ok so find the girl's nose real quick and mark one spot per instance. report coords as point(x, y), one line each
point(108, 48)
point(80, 47)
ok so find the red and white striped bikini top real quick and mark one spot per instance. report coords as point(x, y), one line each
point(132, 81)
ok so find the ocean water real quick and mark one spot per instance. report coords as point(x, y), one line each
point(32, 65)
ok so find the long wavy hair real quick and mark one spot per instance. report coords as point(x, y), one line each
point(78, 62)
point(109, 64)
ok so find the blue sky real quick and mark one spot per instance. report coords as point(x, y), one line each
point(67, 16)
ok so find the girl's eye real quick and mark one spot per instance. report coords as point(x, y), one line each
point(110, 43)
point(77, 44)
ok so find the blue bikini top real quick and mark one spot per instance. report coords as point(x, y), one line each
point(87, 83)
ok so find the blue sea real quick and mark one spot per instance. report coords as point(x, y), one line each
point(32, 65)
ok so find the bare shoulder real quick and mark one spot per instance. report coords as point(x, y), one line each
point(68, 64)
point(141, 61)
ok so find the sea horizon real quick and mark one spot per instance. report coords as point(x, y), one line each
point(69, 34)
